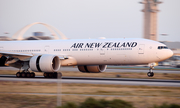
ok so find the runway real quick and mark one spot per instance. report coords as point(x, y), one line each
point(84, 80)
point(137, 70)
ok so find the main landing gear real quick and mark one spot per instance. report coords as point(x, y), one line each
point(150, 73)
point(25, 74)
point(52, 74)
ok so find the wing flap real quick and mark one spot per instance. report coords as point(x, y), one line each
point(14, 54)
point(26, 56)
point(20, 56)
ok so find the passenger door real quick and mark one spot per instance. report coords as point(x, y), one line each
point(141, 49)
point(46, 49)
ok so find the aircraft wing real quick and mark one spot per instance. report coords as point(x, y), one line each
point(20, 56)
point(14, 54)
point(25, 56)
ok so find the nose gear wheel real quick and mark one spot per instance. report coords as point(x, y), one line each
point(150, 73)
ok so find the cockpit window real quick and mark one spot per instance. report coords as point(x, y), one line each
point(162, 47)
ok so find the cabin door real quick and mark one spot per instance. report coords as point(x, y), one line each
point(141, 49)
point(102, 55)
point(102, 52)
point(46, 49)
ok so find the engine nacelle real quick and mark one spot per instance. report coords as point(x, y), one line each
point(2, 60)
point(92, 69)
point(44, 63)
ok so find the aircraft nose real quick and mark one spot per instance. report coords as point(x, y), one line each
point(170, 53)
point(165, 54)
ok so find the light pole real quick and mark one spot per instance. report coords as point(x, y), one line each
point(59, 86)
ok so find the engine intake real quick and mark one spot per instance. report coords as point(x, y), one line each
point(3, 60)
point(92, 69)
point(45, 63)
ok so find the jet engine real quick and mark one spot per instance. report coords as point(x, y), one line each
point(92, 68)
point(2, 60)
point(44, 63)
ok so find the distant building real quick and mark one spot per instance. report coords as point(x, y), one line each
point(5, 38)
point(38, 36)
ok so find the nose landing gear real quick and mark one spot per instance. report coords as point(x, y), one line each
point(150, 73)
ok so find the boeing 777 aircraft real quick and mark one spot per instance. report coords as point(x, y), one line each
point(89, 55)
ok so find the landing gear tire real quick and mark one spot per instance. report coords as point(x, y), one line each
point(23, 74)
point(59, 74)
point(151, 67)
point(18, 74)
point(28, 75)
point(32, 74)
point(150, 74)
point(55, 75)
point(46, 75)
point(51, 75)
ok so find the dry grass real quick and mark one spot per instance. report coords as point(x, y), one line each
point(26, 101)
point(95, 89)
point(140, 96)
point(33, 101)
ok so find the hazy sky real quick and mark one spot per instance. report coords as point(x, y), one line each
point(88, 18)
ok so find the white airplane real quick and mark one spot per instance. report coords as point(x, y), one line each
point(89, 55)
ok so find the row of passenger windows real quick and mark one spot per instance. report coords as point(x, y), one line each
point(121, 49)
point(66, 49)
point(57, 49)
point(62, 49)
point(92, 49)
point(159, 47)
point(86, 49)
point(73, 49)
point(162, 47)
point(25, 50)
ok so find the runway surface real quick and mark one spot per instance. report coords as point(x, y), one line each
point(89, 80)
point(107, 70)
